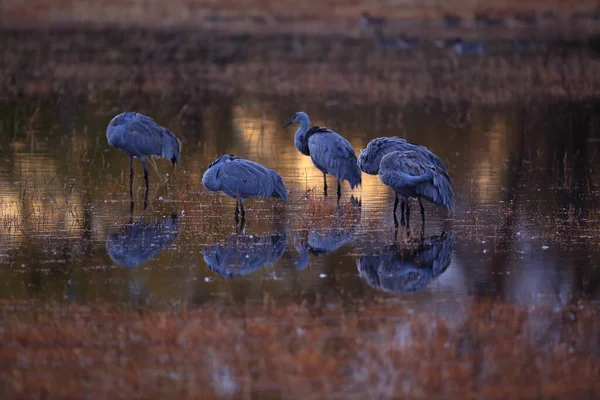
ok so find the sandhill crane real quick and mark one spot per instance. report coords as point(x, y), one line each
point(369, 160)
point(137, 135)
point(413, 174)
point(330, 152)
point(241, 178)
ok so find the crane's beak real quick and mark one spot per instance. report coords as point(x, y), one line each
point(290, 122)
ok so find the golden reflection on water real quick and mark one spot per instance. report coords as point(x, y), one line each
point(58, 186)
point(490, 161)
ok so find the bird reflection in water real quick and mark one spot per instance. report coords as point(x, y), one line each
point(326, 239)
point(137, 243)
point(404, 268)
point(242, 254)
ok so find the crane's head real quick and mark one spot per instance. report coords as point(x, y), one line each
point(300, 118)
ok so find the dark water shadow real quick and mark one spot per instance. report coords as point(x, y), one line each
point(241, 254)
point(404, 268)
point(136, 244)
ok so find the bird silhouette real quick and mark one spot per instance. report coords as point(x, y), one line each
point(137, 135)
point(412, 174)
point(330, 152)
point(241, 178)
point(369, 161)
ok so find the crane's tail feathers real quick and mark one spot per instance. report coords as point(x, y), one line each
point(279, 188)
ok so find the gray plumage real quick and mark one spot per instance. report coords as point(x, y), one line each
point(330, 152)
point(370, 160)
point(241, 179)
point(407, 269)
point(139, 136)
point(136, 244)
point(242, 254)
point(411, 174)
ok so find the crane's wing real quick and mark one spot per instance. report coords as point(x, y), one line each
point(245, 178)
point(150, 138)
point(437, 188)
point(279, 188)
point(334, 154)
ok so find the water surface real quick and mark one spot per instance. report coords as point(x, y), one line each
point(525, 178)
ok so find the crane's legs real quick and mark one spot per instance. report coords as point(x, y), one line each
point(324, 183)
point(403, 206)
point(239, 205)
point(147, 185)
point(407, 213)
point(131, 180)
point(396, 204)
point(339, 191)
point(422, 212)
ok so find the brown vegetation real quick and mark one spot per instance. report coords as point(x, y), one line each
point(297, 351)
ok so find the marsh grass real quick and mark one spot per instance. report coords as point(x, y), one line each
point(322, 65)
point(291, 350)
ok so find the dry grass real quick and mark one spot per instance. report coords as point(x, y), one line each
point(291, 351)
point(260, 15)
point(179, 63)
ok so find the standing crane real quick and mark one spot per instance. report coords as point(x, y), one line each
point(137, 135)
point(330, 152)
point(241, 178)
point(369, 161)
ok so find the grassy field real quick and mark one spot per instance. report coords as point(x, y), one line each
point(310, 350)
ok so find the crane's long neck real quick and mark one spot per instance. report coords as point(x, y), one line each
point(210, 179)
point(300, 139)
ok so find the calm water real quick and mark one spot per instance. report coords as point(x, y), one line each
point(526, 230)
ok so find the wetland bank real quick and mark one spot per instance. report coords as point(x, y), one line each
point(312, 299)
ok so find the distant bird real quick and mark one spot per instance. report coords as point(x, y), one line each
point(525, 45)
point(448, 42)
point(369, 159)
point(452, 21)
point(136, 244)
point(526, 18)
point(547, 16)
point(409, 268)
point(368, 21)
point(413, 174)
point(584, 16)
point(388, 43)
point(464, 47)
point(243, 254)
point(241, 178)
point(330, 152)
point(484, 20)
point(139, 136)
point(406, 42)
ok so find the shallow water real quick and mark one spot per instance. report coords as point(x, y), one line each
point(526, 230)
